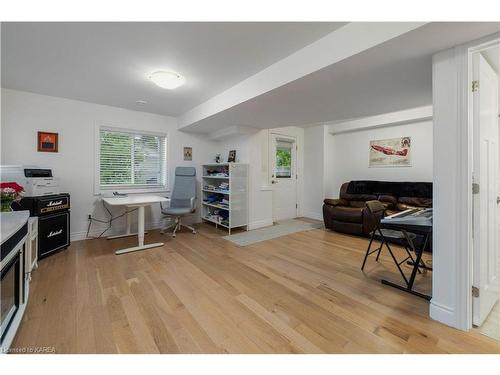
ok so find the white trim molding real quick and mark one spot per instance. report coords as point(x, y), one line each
point(313, 215)
point(443, 314)
point(260, 224)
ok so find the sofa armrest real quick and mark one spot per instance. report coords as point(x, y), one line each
point(336, 202)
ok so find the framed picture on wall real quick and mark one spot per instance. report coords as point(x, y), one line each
point(394, 152)
point(188, 153)
point(232, 156)
point(48, 142)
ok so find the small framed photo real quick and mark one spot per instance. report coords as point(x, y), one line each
point(232, 156)
point(48, 142)
point(188, 153)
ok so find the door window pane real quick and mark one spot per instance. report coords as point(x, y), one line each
point(284, 159)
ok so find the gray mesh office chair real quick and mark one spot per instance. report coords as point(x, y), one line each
point(183, 199)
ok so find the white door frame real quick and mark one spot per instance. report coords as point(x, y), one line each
point(465, 119)
point(295, 163)
point(451, 301)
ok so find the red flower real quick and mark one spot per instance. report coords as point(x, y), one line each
point(13, 185)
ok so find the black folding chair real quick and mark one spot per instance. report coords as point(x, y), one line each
point(403, 238)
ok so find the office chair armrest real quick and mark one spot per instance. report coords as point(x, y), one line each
point(193, 204)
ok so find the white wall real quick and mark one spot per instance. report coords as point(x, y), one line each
point(332, 159)
point(314, 171)
point(23, 114)
point(350, 155)
point(254, 150)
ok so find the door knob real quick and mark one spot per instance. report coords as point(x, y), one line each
point(274, 182)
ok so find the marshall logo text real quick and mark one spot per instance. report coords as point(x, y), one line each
point(52, 234)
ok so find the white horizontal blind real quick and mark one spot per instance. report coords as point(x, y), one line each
point(132, 159)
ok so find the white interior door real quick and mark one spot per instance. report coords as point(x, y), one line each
point(284, 176)
point(486, 170)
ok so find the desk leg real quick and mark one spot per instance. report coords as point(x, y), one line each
point(128, 233)
point(140, 225)
point(127, 222)
point(140, 236)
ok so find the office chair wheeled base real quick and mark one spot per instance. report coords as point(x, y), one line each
point(177, 226)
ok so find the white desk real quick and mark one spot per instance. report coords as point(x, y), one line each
point(139, 202)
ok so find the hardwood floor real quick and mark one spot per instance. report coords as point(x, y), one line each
point(303, 293)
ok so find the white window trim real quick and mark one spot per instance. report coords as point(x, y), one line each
point(98, 190)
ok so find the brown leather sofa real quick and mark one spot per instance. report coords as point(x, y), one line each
point(349, 214)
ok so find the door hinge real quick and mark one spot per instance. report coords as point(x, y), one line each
point(296, 205)
point(475, 291)
point(296, 176)
point(475, 188)
point(475, 86)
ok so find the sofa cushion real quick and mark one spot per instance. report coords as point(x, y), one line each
point(416, 202)
point(357, 204)
point(358, 197)
point(347, 214)
point(336, 202)
point(389, 201)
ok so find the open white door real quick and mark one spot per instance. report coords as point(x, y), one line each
point(284, 176)
point(486, 281)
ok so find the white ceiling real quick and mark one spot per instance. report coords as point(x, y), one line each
point(107, 63)
point(393, 76)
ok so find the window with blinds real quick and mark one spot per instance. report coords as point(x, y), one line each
point(132, 159)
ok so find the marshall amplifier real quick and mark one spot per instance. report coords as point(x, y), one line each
point(44, 205)
point(53, 220)
point(53, 233)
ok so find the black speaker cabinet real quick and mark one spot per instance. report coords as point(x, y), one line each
point(53, 233)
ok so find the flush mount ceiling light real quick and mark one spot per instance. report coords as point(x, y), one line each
point(167, 80)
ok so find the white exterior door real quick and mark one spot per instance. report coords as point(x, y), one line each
point(283, 154)
point(485, 172)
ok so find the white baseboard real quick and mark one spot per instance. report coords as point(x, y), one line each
point(443, 314)
point(260, 224)
point(313, 215)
